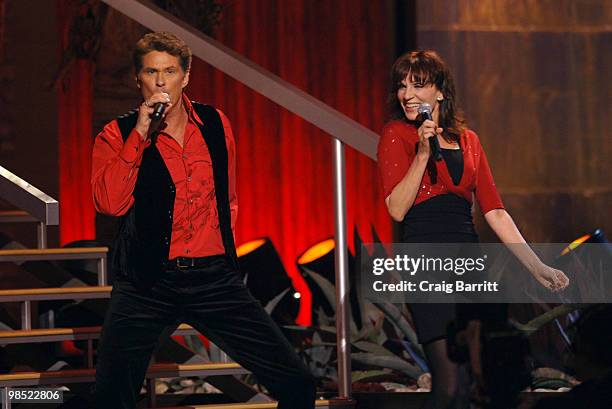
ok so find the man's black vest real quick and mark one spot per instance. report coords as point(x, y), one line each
point(142, 247)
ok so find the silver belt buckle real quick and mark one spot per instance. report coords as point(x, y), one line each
point(191, 263)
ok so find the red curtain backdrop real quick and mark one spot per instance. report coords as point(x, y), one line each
point(338, 51)
point(1, 29)
point(75, 96)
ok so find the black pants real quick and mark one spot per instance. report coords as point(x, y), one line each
point(213, 299)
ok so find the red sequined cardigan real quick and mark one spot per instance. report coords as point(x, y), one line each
point(397, 149)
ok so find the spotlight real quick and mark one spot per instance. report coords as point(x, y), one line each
point(266, 278)
point(320, 259)
point(596, 236)
point(587, 264)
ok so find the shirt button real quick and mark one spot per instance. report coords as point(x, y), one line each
point(188, 178)
point(190, 200)
point(187, 251)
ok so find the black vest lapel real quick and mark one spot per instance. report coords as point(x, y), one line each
point(214, 135)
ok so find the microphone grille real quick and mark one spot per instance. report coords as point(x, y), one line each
point(424, 108)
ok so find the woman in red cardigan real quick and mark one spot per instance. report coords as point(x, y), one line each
point(432, 199)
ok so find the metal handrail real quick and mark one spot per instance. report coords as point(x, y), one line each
point(343, 129)
point(38, 204)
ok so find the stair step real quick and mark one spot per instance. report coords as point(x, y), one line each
point(319, 403)
point(67, 334)
point(55, 293)
point(16, 216)
point(74, 253)
point(88, 375)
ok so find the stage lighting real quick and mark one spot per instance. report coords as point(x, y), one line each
point(266, 278)
point(596, 236)
point(320, 259)
point(586, 264)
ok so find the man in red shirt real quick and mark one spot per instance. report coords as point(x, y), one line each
point(171, 180)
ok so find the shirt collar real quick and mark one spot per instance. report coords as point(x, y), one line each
point(191, 114)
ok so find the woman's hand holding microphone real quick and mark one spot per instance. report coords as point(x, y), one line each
point(428, 129)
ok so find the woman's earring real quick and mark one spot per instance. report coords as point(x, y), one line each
point(440, 99)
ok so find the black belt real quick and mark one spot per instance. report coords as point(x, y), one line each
point(181, 263)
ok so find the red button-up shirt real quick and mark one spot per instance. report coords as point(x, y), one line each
point(195, 227)
point(397, 149)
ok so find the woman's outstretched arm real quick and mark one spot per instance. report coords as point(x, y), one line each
point(505, 228)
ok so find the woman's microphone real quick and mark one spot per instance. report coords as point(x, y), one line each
point(434, 146)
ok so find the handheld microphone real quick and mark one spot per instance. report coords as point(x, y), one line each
point(158, 111)
point(434, 146)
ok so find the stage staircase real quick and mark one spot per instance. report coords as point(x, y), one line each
point(37, 207)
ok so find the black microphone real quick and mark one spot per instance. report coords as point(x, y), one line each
point(434, 146)
point(158, 111)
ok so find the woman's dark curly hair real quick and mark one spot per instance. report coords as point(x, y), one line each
point(426, 67)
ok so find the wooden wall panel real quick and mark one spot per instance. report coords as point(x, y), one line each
point(29, 114)
point(532, 79)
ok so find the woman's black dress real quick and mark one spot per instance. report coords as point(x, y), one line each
point(441, 219)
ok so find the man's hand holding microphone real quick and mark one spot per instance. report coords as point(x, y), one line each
point(152, 110)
